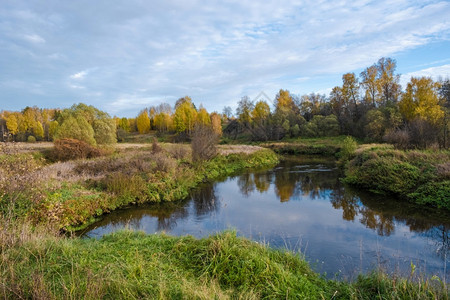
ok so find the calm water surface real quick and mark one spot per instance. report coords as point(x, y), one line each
point(301, 205)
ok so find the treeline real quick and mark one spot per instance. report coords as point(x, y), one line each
point(181, 120)
point(371, 106)
point(81, 122)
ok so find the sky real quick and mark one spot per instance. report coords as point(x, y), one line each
point(123, 56)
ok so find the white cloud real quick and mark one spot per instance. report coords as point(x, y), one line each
point(79, 75)
point(436, 73)
point(34, 38)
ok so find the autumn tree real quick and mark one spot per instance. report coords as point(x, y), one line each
point(143, 122)
point(244, 110)
point(421, 100)
point(185, 115)
point(369, 81)
point(388, 85)
point(203, 117)
point(12, 124)
point(260, 112)
point(216, 123)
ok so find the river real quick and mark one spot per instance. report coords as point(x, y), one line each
point(302, 205)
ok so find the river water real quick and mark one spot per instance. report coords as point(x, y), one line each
point(302, 205)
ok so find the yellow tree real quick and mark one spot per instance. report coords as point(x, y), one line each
point(261, 112)
point(421, 100)
point(284, 100)
point(216, 123)
point(143, 122)
point(12, 124)
point(185, 116)
point(38, 130)
point(203, 117)
point(163, 122)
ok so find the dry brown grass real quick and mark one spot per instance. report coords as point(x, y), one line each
point(230, 149)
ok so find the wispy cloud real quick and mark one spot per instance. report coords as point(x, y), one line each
point(79, 75)
point(34, 38)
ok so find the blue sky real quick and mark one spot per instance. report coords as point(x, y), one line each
point(122, 56)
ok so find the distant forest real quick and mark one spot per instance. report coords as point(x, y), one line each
point(370, 106)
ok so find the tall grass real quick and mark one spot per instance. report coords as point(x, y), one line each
point(130, 265)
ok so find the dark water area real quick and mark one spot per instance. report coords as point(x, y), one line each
point(302, 205)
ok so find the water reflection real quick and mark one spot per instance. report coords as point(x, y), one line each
point(302, 201)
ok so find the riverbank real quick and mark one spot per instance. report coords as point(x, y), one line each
point(129, 265)
point(419, 176)
point(70, 195)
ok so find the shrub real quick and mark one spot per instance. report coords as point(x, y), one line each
point(204, 141)
point(164, 163)
point(155, 146)
point(178, 151)
point(348, 148)
point(31, 139)
point(67, 149)
point(399, 138)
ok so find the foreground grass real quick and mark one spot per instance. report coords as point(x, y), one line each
point(419, 176)
point(130, 265)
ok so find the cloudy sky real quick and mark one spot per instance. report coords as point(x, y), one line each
point(122, 56)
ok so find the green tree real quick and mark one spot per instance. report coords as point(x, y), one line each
point(76, 128)
point(104, 131)
point(375, 126)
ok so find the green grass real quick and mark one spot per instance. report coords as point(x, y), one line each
point(130, 265)
point(419, 176)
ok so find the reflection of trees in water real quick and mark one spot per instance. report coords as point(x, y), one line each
point(290, 181)
point(351, 205)
point(380, 213)
point(166, 215)
point(262, 182)
point(205, 200)
point(246, 184)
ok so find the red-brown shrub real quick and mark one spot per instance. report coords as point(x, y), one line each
point(67, 149)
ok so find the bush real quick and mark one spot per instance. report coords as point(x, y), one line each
point(31, 139)
point(67, 149)
point(399, 138)
point(348, 148)
point(164, 163)
point(204, 141)
point(155, 147)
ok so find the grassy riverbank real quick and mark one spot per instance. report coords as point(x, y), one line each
point(419, 176)
point(130, 265)
point(67, 195)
